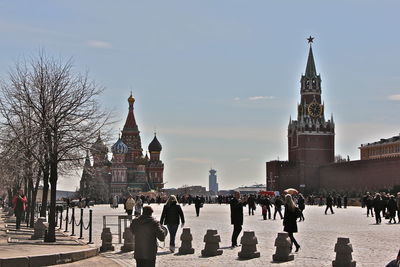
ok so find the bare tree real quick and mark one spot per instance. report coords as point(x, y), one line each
point(62, 106)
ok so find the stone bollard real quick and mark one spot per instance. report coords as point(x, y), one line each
point(39, 228)
point(282, 244)
point(186, 247)
point(249, 246)
point(129, 240)
point(212, 240)
point(106, 238)
point(343, 250)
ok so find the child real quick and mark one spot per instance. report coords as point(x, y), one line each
point(264, 211)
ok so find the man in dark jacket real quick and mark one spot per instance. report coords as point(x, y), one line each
point(278, 207)
point(369, 202)
point(236, 205)
point(329, 203)
point(197, 205)
point(146, 231)
point(378, 205)
point(252, 204)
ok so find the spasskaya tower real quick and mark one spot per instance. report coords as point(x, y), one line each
point(311, 136)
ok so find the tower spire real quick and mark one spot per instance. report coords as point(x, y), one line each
point(130, 123)
point(311, 71)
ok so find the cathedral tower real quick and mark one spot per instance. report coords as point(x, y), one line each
point(155, 167)
point(131, 134)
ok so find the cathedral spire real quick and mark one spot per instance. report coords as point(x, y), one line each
point(87, 159)
point(311, 71)
point(130, 123)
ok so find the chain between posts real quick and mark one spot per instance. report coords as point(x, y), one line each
point(80, 223)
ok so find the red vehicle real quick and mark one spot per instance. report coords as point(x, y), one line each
point(267, 193)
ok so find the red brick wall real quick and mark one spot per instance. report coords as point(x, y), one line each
point(361, 175)
point(317, 149)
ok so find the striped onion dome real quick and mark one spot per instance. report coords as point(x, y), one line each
point(119, 147)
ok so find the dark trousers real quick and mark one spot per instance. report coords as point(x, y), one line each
point(378, 218)
point(197, 211)
point(392, 216)
point(129, 212)
point(237, 228)
point(172, 228)
point(329, 207)
point(145, 263)
point(18, 215)
point(398, 215)
point(269, 212)
point(302, 215)
point(251, 210)
point(369, 208)
point(278, 211)
point(293, 240)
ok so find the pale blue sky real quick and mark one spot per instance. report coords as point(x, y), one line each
point(219, 79)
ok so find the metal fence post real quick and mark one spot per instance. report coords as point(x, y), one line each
point(66, 221)
point(56, 219)
point(73, 221)
point(81, 225)
point(61, 219)
point(90, 227)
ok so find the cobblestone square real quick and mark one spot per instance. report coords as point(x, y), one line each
point(373, 245)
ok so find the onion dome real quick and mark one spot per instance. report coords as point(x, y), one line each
point(155, 146)
point(131, 99)
point(119, 147)
point(99, 146)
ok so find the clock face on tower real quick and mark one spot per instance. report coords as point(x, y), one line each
point(315, 110)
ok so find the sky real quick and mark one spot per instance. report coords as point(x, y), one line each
point(218, 80)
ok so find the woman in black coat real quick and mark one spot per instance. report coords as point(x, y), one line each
point(290, 220)
point(170, 216)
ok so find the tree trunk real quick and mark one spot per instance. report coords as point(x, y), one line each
point(45, 192)
point(10, 196)
point(34, 194)
point(51, 234)
point(30, 200)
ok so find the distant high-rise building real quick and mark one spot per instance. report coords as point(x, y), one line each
point(212, 181)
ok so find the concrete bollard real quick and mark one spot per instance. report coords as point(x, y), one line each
point(39, 228)
point(212, 240)
point(343, 250)
point(106, 240)
point(249, 246)
point(282, 244)
point(186, 238)
point(129, 240)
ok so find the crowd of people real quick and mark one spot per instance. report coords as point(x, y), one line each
point(382, 205)
point(294, 205)
point(289, 207)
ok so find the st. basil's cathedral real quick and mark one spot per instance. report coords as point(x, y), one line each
point(129, 170)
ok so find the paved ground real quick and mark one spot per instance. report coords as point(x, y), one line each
point(17, 243)
point(373, 245)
